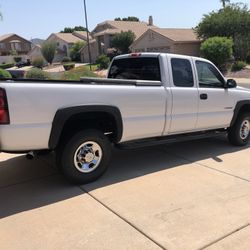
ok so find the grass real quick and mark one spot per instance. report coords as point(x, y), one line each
point(77, 73)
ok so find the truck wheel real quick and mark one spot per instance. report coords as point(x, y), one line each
point(239, 133)
point(84, 157)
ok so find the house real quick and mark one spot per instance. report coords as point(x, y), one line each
point(65, 41)
point(10, 43)
point(103, 33)
point(178, 41)
point(35, 52)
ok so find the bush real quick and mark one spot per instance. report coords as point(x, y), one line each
point(6, 65)
point(69, 66)
point(238, 65)
point(36, 73)
point(75, 53)
point(17, 59)
point(4, 74)
point(219, 50)
point(38, 62)
point(49, 51)
point(66, 59)
point(103, 61)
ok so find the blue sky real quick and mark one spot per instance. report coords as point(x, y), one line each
point(40, 18)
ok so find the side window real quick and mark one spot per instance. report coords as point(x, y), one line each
point(208, 75)
point(182, 72)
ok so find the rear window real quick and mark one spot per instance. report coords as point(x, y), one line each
point(136, 69)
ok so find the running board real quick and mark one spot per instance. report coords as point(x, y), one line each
point(169, 139)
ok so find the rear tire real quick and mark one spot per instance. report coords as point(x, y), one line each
point(239, 133)
point(84, 156)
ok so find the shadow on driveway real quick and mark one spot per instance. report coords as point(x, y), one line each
point(26, 185)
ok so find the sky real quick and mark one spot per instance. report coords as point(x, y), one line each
point(40, 18)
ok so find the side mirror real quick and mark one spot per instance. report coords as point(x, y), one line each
point(230, 83)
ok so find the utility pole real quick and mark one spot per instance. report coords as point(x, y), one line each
point(86, 22)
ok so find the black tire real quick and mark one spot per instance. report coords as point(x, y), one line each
point(67, 154)
point(234, 133)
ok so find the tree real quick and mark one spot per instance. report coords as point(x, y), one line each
point(75, 51)
point(122, 41)
point(232, 21)
point(224, 2)
point(129, 18)
point(71, 30)
point(49, 51)
point(219, 50)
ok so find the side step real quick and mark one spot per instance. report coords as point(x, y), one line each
point(170, 139)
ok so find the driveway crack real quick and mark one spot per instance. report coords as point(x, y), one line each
point(124, 219)
point(224, 236)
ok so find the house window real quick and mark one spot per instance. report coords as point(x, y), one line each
point(15, 46)
point(2, 45)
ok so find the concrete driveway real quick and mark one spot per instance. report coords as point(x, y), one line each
point(192, 195)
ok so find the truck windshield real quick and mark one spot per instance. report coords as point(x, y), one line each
point(136, 69)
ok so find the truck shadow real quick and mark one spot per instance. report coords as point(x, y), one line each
point(27, 185)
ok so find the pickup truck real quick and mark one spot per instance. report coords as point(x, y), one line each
point(146, 99)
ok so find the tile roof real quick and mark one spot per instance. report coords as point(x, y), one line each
point(68, 37)
point(178, 35)
point(117, 26)
point(3, 37)
point(81, 34)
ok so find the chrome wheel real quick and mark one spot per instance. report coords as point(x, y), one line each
point(244, 129)
point(88, 157)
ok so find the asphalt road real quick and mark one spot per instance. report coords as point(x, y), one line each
point(192, 195)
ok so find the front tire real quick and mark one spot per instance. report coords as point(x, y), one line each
point(84, 157)
point(239, 133)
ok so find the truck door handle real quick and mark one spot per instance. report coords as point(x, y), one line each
point(203, 96)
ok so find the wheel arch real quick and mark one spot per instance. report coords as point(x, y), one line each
point(241, 106)
point(64, 115)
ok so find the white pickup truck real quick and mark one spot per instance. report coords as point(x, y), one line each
point(146, 99)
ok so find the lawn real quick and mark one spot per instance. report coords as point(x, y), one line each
point(77, 73)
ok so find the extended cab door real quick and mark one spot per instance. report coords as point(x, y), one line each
point(215, 102)
point(184, 94)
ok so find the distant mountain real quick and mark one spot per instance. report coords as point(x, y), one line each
point(37, 41)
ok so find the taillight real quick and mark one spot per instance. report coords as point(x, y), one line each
point(135, 54)
point(4, 111)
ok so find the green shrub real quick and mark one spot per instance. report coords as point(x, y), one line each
point(6, 65)
point(17, 59)
point(38, 62)
point(75, 51)
point(219, 50)
point(69, 66)
point(66, 59)
point(238, 65)
point(4, 74)
point(36, 73)
point(103, 61)
point(49, 51)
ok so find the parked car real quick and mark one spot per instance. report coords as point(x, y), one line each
point(147, 99)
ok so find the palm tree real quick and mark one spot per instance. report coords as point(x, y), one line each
point(224, 2)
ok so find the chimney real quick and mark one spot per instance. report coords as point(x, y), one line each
point(150, 21)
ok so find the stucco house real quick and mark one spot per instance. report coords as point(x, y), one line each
point(14, 42)
point(103, 33)
point(178, 41)
point(65, 41)
point(35, 52)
